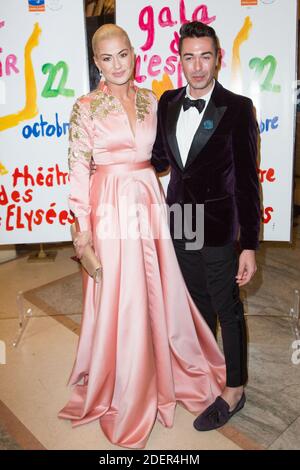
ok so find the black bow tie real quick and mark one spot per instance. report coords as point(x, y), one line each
point(188, 103)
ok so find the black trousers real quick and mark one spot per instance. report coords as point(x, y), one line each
point(209, 274)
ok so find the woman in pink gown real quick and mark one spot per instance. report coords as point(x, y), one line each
point(143, 345)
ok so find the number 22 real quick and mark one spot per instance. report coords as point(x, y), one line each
point(52, 70)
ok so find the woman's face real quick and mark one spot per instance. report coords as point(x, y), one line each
point(114, 57)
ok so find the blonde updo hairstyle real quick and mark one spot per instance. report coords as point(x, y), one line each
point(108, 31)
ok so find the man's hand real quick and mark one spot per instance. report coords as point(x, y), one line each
point(247, 267)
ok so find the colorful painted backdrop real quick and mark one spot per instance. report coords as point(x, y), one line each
point(43, 68)
point(258, 40)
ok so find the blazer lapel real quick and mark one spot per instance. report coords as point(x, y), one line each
point(207, 127)
point(173, 111)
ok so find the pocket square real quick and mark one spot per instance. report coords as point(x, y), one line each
point(208, 124)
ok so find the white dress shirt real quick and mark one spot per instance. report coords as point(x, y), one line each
point(187, 124)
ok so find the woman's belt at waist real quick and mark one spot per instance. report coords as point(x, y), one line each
point(122, 167)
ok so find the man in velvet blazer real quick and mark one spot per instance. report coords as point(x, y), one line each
point(208, 136)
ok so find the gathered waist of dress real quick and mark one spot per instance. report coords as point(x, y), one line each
point(117, 168)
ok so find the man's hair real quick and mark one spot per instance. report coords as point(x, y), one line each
point(196, 29)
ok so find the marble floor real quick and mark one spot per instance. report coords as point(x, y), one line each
point(272, 414)
point(33, 380)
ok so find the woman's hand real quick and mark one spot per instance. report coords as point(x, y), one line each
point(81, 240)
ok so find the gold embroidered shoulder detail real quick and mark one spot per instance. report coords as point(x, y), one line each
point(143, 103)
point(101, 105)
point(74, 120)
point(78, 135)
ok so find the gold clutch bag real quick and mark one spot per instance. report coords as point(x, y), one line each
point(89, 260)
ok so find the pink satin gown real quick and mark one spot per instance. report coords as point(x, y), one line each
point(143, 345)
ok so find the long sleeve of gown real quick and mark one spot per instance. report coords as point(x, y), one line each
point(79, 157)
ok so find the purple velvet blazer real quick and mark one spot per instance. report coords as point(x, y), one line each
point(221, 168)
